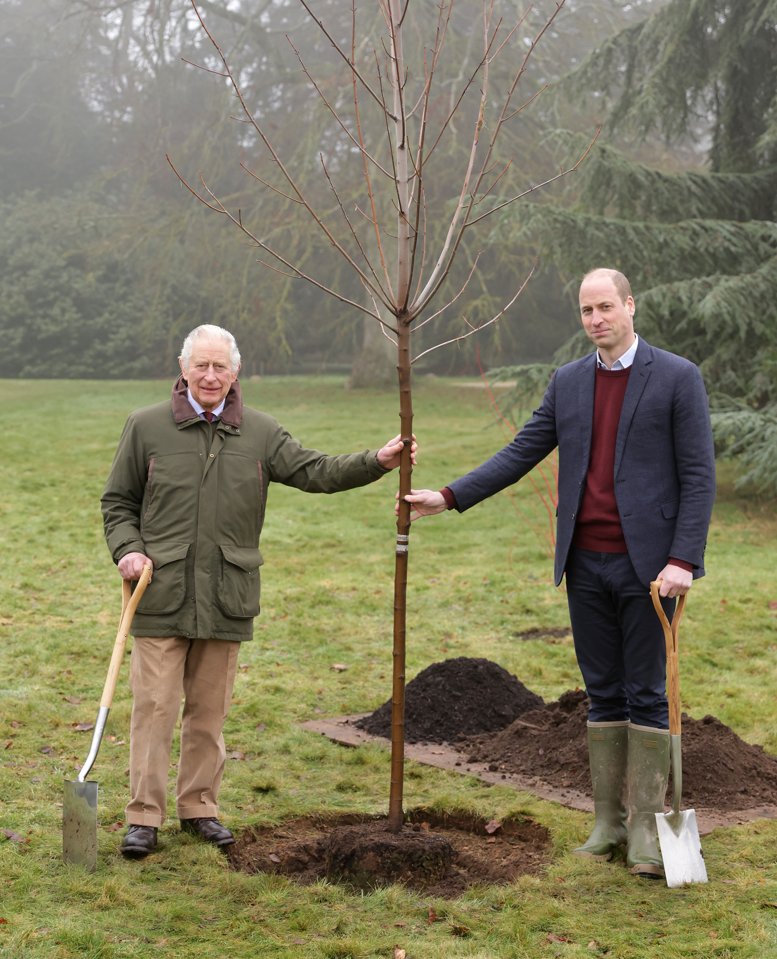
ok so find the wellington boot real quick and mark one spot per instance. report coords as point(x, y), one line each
point(607, 752)
point(648, 773)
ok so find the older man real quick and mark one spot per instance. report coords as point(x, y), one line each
point(187, 493)
point(636, 485)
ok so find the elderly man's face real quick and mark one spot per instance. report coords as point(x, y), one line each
point(209, 373)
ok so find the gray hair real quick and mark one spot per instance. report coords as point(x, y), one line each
point(216, 332)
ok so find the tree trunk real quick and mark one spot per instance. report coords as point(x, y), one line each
point(375, 363)
point(396, 814)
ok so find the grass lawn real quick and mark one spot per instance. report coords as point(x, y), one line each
point(475, 581)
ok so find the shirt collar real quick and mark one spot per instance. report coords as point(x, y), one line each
point(199, 410)
point(623, 362)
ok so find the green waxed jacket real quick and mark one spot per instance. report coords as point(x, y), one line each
point(191, 495)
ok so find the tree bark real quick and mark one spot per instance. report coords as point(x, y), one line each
point(396, 813)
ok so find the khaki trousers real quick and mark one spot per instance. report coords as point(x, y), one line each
point(163, 671)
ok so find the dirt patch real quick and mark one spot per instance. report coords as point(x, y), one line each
point(551, 635)
point(473, 716)
point(451, 700)
point(464, 701)
point(439, 854)
point(720, 770)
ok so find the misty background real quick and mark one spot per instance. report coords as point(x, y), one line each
point(107, 261)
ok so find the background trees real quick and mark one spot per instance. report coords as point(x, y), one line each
point(104, 266)
point(693, 227)
point(93, 93)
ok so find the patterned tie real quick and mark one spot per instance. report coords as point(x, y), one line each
point(208, 415)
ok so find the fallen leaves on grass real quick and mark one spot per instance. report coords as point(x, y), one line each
point(12, 836)
point(552, 937)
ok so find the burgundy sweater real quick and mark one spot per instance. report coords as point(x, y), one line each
point(598, 525)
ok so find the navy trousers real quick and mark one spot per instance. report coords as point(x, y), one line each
point(619, 641)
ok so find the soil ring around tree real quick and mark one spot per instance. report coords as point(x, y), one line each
point(439, 854)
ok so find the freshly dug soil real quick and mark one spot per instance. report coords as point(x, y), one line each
point(720, 770)
point(456, 698)
point(492, 719)
point(441, 855)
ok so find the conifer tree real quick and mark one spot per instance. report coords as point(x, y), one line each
point(699, 244)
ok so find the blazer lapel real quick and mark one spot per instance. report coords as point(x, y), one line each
point(585, 406)
point(638, 379)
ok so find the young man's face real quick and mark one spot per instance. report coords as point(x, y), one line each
point(607, 320)
point(209, 373)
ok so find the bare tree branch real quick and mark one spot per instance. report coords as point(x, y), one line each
point(381, 293)
point(217, 206)
point(351, 66)
point(338, 119)
point(279, 162)
point(481, 326)
point(450, 302)
point(363, 153)
point(538, 186)
point(274, 189)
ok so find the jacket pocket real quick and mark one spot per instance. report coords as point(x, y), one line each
point(167, 589)
point(237, 595)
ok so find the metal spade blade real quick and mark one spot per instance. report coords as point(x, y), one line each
point(678, 832)
point(79, 806)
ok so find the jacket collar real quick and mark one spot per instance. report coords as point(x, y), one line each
point(232, 414)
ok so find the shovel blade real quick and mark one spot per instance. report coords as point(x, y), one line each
point(678, 837)
point(79, 824)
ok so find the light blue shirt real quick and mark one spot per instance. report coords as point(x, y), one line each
point(623, 362)
point(200, 411)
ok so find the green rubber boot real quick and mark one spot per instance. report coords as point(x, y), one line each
point(607, 752)
point(648, 773)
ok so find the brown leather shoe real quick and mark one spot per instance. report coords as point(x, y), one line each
point(139, 841)
point(209, 829)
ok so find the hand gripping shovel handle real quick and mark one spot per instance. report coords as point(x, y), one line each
point(130, 600)
point(672, 684)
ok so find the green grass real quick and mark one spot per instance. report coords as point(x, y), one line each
point(475, 581)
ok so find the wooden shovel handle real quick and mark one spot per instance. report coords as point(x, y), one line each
point(130, 599)
point(672, 654)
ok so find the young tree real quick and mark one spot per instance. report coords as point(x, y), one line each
point(400, 234)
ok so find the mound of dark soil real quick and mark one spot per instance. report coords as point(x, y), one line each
point(493, 719)
point(720, 770)
point(456, 698)
point(491, 716)
point(439, 854)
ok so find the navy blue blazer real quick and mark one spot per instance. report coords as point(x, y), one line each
point(664, 459)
